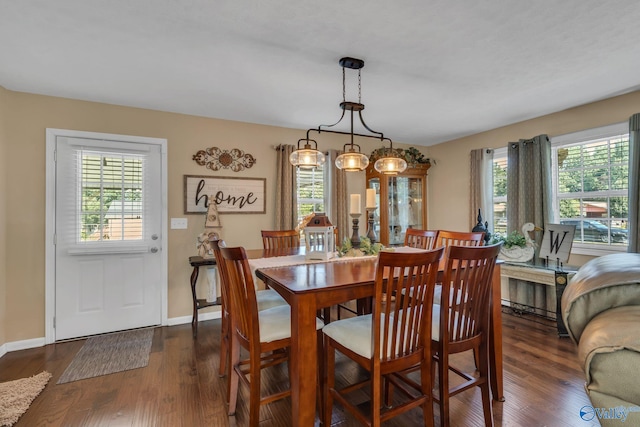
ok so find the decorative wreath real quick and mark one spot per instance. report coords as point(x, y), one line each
point(215, 158)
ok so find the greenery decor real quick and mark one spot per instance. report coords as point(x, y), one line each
point(366, 248)
point(411, 155)
point(509, 240)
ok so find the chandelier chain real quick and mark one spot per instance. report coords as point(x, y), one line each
point(359, 88)
point(344, 86)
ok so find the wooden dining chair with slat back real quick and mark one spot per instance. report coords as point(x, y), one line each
point(461, 323)
point(280, 239)
point(459, 238)
point(390, 340)
point(265, 299)
point(265, 334)
point(422, 239)
point(274, 240)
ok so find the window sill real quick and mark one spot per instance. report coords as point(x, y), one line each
point(596, 250)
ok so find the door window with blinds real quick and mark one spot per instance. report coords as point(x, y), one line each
point(111, 196)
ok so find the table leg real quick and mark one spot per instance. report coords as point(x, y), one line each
point(304, 363)
point(495, 336)
point(194, 319)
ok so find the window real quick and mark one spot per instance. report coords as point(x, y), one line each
point(310, 190)
point(590, 187)
point(591, 182)
point(500, 191)
point(110, 196)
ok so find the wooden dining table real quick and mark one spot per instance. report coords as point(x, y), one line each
point(313, 286)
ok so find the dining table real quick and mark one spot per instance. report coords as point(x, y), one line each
point(309, 287)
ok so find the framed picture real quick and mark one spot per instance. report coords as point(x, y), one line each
point(231, 195)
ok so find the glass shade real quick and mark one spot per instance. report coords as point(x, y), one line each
point(390, 165)
point(306, 158)
point(352, 161)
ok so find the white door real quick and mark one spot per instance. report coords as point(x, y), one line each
point(108, 241)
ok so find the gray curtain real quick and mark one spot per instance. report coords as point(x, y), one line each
point(634, 183)
point(529, 199)
point(286, 198)
point(481, 186)
point(337, 188)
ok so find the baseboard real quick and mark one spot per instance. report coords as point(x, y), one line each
point(40, 342)
point(24, 344)
point(187, 319)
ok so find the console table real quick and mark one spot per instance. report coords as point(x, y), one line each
point(538, 273)
point(198, 303)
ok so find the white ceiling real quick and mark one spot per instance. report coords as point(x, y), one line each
point(435, 69)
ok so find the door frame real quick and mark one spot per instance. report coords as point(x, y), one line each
point(50, 220)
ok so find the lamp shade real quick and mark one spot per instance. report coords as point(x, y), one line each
point(306, 157)
point(352, 161)
point(390, 165)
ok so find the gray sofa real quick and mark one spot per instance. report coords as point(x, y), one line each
point(601, 310)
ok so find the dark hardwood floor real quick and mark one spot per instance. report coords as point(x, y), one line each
point(180, 386)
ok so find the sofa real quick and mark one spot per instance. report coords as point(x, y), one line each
point(601, 311)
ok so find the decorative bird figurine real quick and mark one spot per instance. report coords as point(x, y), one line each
point(524, 253)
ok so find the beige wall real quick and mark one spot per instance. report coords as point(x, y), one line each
point(3, 193)
point(28, 117)
point(448, 192)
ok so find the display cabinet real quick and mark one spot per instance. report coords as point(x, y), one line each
point(401, 202)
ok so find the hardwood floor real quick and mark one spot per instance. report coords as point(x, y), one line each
point(180, 386)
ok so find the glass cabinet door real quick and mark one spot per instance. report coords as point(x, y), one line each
point(405, 206)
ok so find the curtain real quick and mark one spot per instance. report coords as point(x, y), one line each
point(529, 199)
point(286, 198)
point(481, 186)
point(336, 188)
point(634, 183)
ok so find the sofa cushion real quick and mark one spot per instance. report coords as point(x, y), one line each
point(610, 352)
point(600, 284)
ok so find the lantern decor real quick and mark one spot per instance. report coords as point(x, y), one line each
point(319, 238)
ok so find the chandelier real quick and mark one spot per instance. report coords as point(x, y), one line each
point(351, 159)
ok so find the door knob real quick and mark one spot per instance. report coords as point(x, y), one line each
point(154, 250)
point(154, 237)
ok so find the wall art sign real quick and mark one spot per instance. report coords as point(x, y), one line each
point(557, 242)
point(215, 158)
point(231, 195)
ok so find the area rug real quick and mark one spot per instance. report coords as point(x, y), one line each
point(108, 354)
point(17, 395)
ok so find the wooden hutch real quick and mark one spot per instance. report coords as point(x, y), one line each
point(401, 202)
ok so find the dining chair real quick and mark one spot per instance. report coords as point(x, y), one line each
point(391, 339)
point(461, 323)
point(280, 239)
point(422, 239)
point(265, 334)
point(265, 299)
point(459, 238)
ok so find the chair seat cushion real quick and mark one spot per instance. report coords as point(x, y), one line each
point(610, 351)
point(355, 334)
point(275, 323)
point(269, 298)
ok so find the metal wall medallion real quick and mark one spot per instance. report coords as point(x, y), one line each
point(215, 158)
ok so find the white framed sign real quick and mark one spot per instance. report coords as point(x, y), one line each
point(557, 242)
point(231, 195)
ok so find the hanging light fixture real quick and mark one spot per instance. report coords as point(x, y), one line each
point(352, 159)
point(307, 157)
point(391, 163)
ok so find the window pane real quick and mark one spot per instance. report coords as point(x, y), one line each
point(500, 177)
point(569, 182)
point(111, 197)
